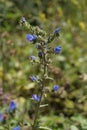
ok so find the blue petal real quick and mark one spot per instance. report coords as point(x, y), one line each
point(33, 78)
point(57, 49)
point(36, 97)
point(16, 128)
point(57, 30)
point(12, 106)
point(55, 87)
point(30, 37)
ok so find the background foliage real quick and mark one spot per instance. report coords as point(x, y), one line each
point(69, 106)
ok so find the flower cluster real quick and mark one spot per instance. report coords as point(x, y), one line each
point(43, 53)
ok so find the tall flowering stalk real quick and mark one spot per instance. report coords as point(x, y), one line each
point(41, 40)
point(44, 63)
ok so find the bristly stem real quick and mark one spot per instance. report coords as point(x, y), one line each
point(42, 92)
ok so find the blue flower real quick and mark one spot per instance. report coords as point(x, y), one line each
point(57, 49)
point(12, 106)
point(33, 78)
point(16, 128)
point(31, 38)
point(40, 54)
point(33, 58)
point(1, 117)
point(36, 97)
point(55, 87)
point(57, 30)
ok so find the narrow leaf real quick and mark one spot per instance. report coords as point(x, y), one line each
point(44, 128)
point(44, 105)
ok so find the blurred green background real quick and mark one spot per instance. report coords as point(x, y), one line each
point(67, 108)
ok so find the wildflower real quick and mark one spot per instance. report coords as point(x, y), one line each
point(36, 97)
point(33, 78)
point(40, 54)
point(16, 128)
point(57, 49)
point(57, 30)
point(1, 117)
point(33, 58)
point(55, 87)
point(31, 38)
point(12, 106)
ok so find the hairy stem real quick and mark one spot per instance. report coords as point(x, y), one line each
point(41, 94)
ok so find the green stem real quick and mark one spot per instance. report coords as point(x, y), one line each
point(41, 95)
